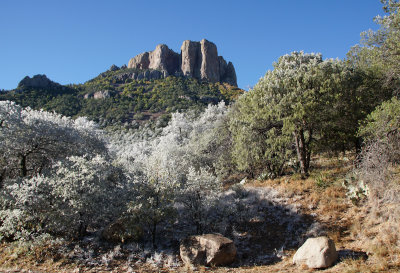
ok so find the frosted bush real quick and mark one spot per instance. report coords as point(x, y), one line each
point(31, 140)
point(79, 192)
point(199, 194)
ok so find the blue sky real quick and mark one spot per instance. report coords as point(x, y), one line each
point(73, 41)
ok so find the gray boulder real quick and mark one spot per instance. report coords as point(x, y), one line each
point(208, 249)
point(101, 94)
point(319, 252)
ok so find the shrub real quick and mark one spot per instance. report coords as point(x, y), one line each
point(80, 192)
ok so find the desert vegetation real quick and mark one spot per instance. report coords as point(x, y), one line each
point(313, 149)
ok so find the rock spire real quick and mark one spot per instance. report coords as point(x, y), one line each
point(199, 60)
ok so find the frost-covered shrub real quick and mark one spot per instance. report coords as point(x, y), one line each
point(199, 195)
point(31, 140)
point(153, 204)
point(188, 140)
point(79, 193)
point(172, 165)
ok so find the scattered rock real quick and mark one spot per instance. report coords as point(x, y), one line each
point(140, 75)
point(319, 252)
point(208, 249)
point(101, 94)
point(98, 95)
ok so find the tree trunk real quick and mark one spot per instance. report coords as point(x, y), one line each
point(302, 153)
point(22, 165)
point(153, 234)
point(82, 226)
point(358, 145)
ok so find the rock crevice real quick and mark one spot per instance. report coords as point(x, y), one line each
point(199, 60)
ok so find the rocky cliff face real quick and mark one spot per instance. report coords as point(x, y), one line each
point(199, 60)
point(37, 81)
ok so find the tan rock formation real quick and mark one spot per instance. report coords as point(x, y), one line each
point(199, 60)
point(190, 59)
point(209, 62)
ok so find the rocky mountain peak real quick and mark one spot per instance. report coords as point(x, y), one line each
point(199, 60)
point(37, 81)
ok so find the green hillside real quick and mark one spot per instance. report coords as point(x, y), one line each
point(111, 98)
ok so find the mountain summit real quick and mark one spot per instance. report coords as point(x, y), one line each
point(198, 60)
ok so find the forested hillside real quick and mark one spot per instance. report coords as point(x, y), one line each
point(113, 99)
point(222, 180)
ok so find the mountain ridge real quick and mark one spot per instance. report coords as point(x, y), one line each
point(199, 60)
point(145, 90)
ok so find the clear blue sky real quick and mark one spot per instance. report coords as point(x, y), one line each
point(72, 41)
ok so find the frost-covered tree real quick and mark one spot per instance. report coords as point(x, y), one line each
point(32, 140)
point(188, 140)
point(79, 192)
point(168, 165)
point(287, 107)
point(153, 203)
point(55, 174)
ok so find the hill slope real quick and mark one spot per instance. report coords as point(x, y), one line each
point(114, 97)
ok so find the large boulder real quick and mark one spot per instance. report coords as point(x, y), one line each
point(319, 252)
point(208, 249)
point(101, 94)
